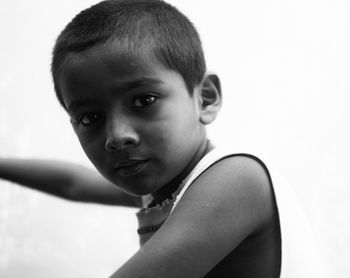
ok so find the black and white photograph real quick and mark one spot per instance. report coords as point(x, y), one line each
point(174, 139)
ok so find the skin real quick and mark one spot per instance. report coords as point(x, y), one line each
point(66, 180)
point(144, 132)
point(238, 220)
point(134, 118)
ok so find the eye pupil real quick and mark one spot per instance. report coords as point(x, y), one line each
point(89, 119)
point(144, 101)
point(147, 100)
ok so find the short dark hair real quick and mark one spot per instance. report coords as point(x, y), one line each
point(137, 24)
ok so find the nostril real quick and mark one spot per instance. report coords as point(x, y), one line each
point(109, 145)
point(113, 144)
point(120, 133)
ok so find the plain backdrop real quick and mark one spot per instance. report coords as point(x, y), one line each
point(284, 67)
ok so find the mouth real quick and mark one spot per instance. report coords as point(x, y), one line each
point(130, 167)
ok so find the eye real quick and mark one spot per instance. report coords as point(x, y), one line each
point(88, 119)
point(145, 101)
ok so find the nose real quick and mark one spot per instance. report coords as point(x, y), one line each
point(120, 134)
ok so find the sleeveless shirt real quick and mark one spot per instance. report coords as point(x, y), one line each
point(299, 254)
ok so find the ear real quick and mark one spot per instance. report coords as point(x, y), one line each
point(210, 98)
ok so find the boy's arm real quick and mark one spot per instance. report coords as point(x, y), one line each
point(66, 180)
point(227, 203)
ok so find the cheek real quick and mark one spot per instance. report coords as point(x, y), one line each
point(93, 147)
point(156, 133)
point(175, 125)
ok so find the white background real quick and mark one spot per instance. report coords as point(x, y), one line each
point(285, 68)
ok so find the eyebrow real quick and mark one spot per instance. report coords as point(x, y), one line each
point(136, 83)
point(122, 86)
point(80, 102)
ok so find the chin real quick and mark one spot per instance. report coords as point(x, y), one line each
point(136, 189)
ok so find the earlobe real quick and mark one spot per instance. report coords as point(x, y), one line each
point(211, 98)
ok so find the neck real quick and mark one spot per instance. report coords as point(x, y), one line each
point(166, 191)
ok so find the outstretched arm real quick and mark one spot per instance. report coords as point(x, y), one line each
point(65, 180)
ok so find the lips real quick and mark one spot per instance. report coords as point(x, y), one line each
point(130, 167)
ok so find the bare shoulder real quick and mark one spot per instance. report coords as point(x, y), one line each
point(243, 174)
point(238, 188)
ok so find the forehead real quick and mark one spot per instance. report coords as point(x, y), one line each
point(122, 61)
point(106, 68)
point(107, 64)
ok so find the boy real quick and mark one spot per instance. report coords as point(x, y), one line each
point(131, 75)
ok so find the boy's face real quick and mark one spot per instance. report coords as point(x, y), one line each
point(134, 118)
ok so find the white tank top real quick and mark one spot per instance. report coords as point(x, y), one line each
point(300, 256)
